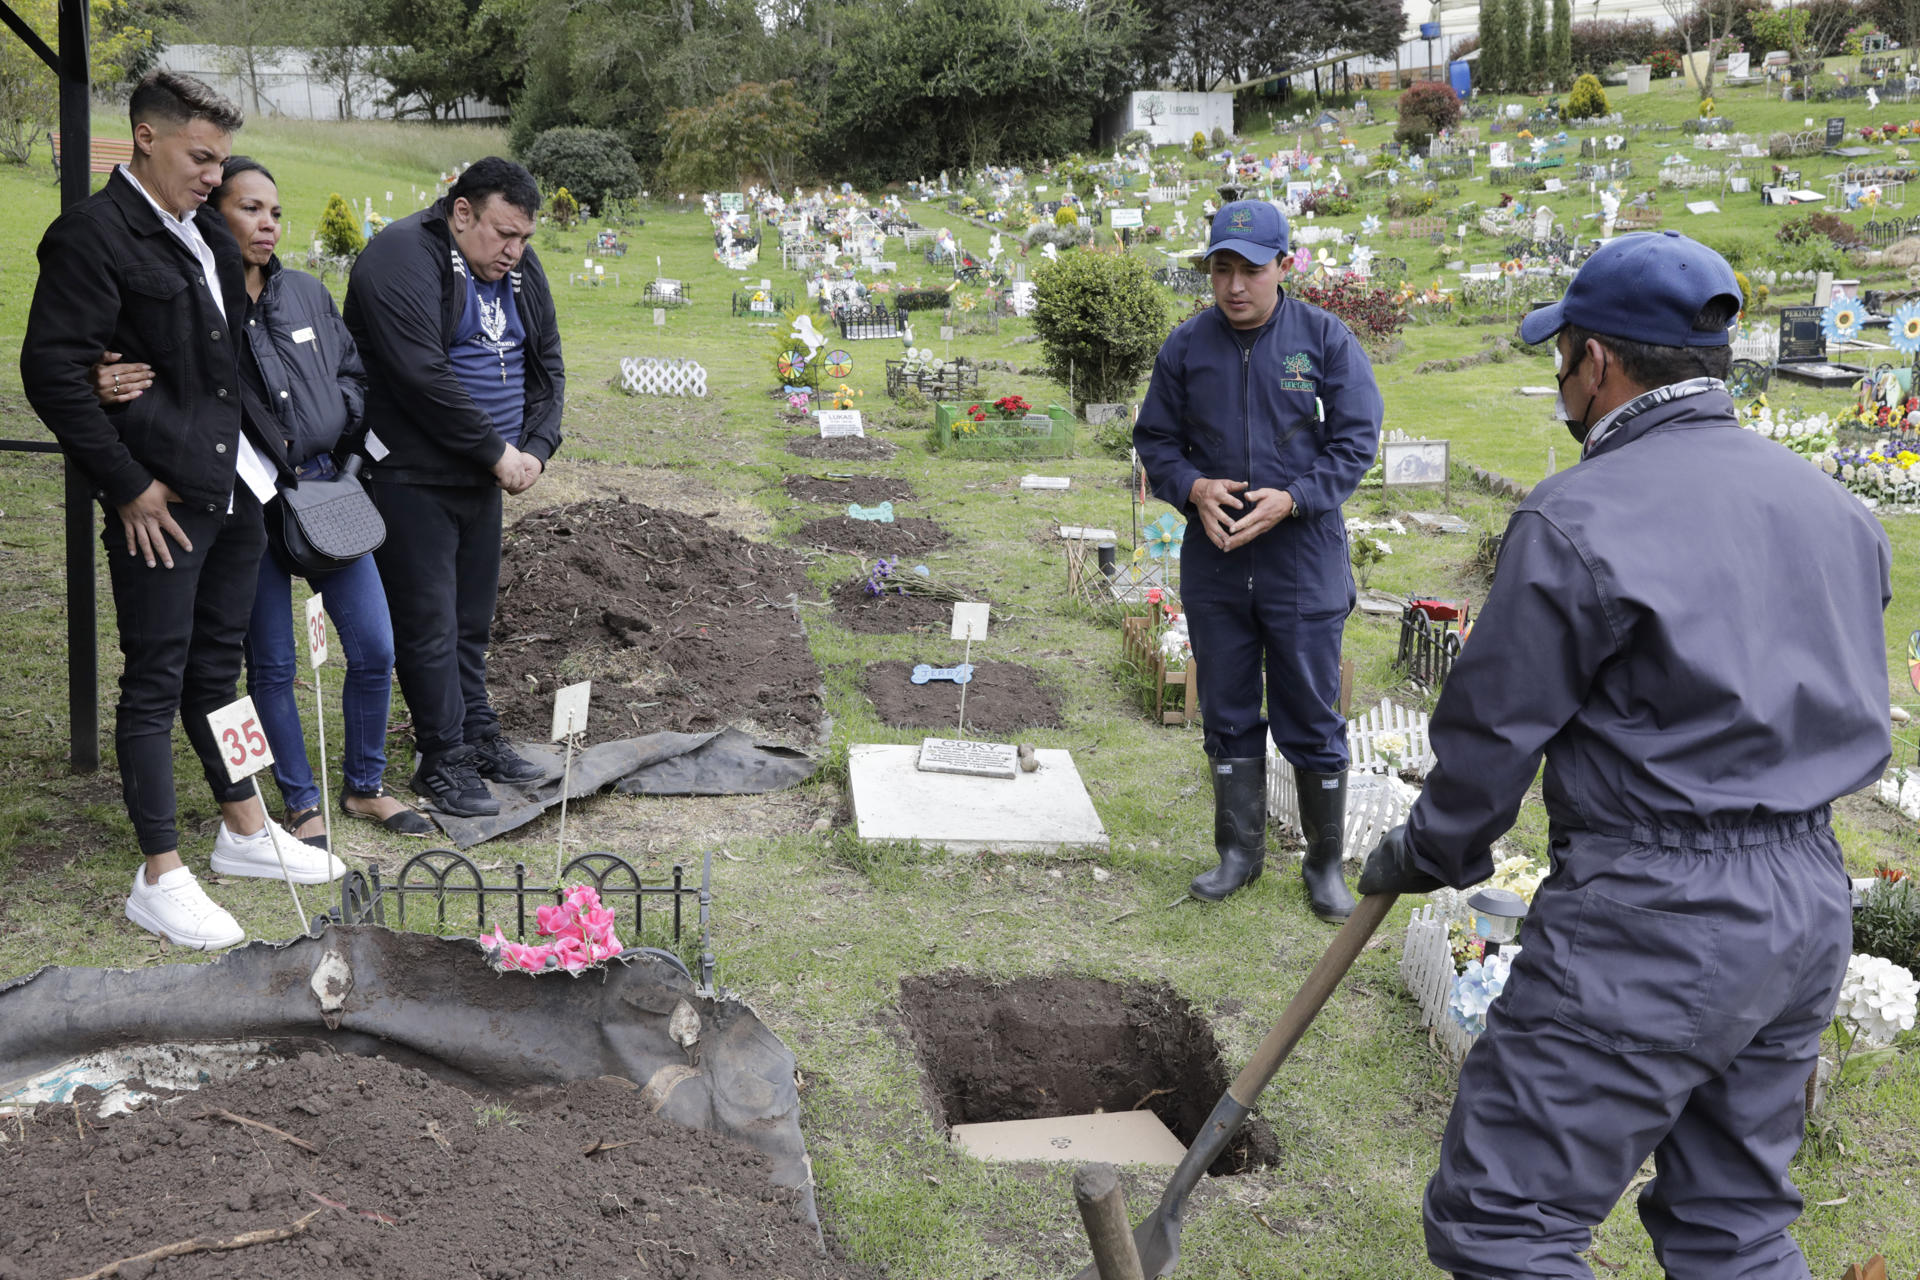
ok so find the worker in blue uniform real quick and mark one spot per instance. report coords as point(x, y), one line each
point(1261, 418)
point(1688, 626)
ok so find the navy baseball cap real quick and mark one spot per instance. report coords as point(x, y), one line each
point(1645, 287)
point(1253, 229)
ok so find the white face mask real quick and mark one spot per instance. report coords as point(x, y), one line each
point(1559, 397)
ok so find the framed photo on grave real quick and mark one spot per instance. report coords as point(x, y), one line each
point(1414, 464)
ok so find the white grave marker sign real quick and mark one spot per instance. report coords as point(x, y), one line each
point(243, 746)
point(969, 620)
point(570, 710)
point(840, 422)
point(316, 631)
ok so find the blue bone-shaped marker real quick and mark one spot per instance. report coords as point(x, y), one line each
point(882, 514)
point(961, 674)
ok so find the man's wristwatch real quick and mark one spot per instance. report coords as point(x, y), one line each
point(1297, 511)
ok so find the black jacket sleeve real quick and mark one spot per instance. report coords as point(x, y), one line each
point(349, 375)
point(75, 307)
point(394, 296)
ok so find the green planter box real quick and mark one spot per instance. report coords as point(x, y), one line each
point(1002, 437)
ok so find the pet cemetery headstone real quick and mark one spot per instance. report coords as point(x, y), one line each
point(839, 422)
point(881, 514)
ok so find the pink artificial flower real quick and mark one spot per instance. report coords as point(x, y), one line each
point(572, 954)
point(598, 922)
point(1153, 595)
point(494, 943)
point(582, 898)
point(518, 955)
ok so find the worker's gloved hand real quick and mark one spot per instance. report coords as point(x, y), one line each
point(1390, 868)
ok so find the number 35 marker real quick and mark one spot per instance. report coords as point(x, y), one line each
point(243, 747)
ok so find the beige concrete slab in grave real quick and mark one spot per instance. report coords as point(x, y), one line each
point(1115, 1137)
point(1038, 812)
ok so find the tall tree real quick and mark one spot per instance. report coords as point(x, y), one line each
point(1560, 64)
point(1537, 45)
point(1491, 72)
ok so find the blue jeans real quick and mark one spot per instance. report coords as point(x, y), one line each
point(357, 606)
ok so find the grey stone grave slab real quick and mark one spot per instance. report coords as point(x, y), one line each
point(1037, 812)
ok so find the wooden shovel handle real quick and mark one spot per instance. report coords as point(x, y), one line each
point(1305, 1006)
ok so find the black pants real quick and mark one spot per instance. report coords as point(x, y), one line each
point(181, 632)
point(440, 566)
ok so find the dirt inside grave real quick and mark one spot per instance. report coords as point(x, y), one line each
point(406, 1177)
point(841, 448)
point(679, 624)
point(1062, 1045)
point(868, 491)
point(910, 535)
point(1002, 697)
point(858, 609)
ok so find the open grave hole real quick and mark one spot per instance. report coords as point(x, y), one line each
point(868, 491)
point(1002, 697)
point(841, 448)
point(908, 535)
point(1040, 1047)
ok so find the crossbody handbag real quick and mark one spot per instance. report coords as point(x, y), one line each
point(326, 525)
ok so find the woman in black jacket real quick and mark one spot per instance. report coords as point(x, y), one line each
point(301, 364)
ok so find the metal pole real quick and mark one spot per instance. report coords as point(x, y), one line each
point(83, 659)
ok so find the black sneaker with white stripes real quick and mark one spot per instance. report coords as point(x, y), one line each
point(495, 758)
point(451, 782)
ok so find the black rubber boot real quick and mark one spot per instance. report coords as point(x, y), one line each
point(1323, 821)
point(1239, 827)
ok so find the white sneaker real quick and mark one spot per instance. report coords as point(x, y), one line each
point(254, 856)
point(179, 910)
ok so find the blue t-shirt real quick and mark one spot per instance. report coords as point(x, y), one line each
point(489, 353)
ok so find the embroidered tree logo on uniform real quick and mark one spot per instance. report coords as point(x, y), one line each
point(1299, 365)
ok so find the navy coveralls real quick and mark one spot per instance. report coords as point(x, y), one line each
point(1688, 625)
point(1297, 411)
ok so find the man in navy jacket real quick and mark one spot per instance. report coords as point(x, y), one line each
point(1261, 418)
point(1688, 626)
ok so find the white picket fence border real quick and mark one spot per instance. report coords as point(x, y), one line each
point(1389, 718)
point(1426, 969)
point(655, 376)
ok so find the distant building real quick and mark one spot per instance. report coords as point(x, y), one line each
point(285, 83)
point(1169, 118)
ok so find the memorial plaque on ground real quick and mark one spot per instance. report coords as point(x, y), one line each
point(1439, 522)
point(840, 422)
point(974, 759)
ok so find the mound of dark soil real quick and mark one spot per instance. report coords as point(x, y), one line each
point(868, 491)
point(909, 536)
point(395, 1175)
point(843, 448)
point(681, 625)
point(857, 609)
point(1002, 698)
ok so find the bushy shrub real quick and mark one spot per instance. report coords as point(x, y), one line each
point(1603, 44)
point(593, 164)
point(563, 208)
point(339, 230)
point(1066, 216)
point(1587, 99)
point(1373, 314)
point(1100, 320)
point(1411, 204)
point(1825, 226)
point(1888, 922)
point(1463, 47)
point(1059, 237)
point(1665, 64)
point(1425, 109)
point(1198, 144)
point(1133, 138)
point(1218, 137)
point(1328, 204)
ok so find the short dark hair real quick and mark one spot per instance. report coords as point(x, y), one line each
point(495, 176)
point(177, 99)
point(233, 168)
point(1649, 366)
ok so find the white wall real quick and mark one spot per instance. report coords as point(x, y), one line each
point(288, 84)
point(1171, 118)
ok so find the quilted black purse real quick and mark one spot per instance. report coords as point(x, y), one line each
point(326, 525)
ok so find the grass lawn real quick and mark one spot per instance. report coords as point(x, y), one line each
point(816, 931)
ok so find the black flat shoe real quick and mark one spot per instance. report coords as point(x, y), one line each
point(297, 818)
point(407, 822)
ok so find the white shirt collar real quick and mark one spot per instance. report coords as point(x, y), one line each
point(166, 215)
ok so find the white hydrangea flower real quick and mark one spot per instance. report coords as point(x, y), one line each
point(1878, 998)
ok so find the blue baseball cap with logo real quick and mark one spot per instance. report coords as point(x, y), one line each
point(1646, 287)
point(1253, 229)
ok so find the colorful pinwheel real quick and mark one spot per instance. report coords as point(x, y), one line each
point(1164, 535)
point(792, 364)
point(1369, 225)
point(1904, 329)
point(1841, 320)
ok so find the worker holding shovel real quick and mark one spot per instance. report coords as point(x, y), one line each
point(1687, 625)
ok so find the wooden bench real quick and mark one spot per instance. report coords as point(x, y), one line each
point(102, 153)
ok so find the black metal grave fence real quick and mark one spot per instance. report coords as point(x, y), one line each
point(1426, 651)
point(440, 876)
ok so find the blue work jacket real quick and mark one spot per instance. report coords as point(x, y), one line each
point(1688, 625)
point(1297, 411)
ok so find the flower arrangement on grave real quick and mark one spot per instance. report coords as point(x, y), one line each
point(1475, 989)
point(1366, 553)
point(1875, 1015)
point(581, 931)
point(886, 578)
point(1012, 407)
point(844, 396)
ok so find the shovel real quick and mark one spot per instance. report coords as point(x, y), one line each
point(1157, 1239)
